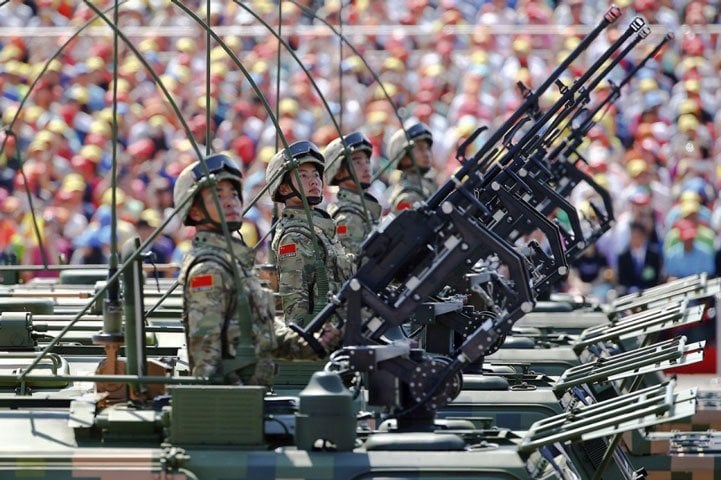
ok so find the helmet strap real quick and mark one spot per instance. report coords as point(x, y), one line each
point(312, 200)
point(217, 226)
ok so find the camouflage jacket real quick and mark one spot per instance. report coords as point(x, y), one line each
point(217, 312)
point(352, 226)
point(409, 189)
point(306, 276)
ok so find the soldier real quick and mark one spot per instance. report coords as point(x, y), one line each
point(228, 316)
point(311, 263)
point(409, 151)
point(348, 165)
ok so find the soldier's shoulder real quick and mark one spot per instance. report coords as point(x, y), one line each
point(209, 265)
point(296, 233)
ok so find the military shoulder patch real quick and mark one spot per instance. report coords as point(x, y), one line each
point(287, 250)
point(201, 282)
point(341, 229)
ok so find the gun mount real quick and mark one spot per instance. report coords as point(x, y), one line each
point(504, 192)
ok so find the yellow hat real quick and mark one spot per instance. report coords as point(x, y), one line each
point(37, 146)
point(688, 106)
point(636, 167)
point(32, 113)
point(91, 152)
point(288, 106)
point(184, 45)
point(157, 121)
point(80, 94)
point(689, 207)
point(377, 116)
point(131, 65)
point(73, 182)
point(168, 82)
point(393, 64)
point(217, 54)
point(9, 113)
point(692, 85)
point(95, 63)
point(261, 66)
point(433, 70)
point(521, 45)
point(151, 217)
point(148, 45)
point(57, 125)
point(54, 66)
point(687, 122)
point(479, 57)
point(218, 68)
point(182, 73)
point(102, 127)
point(107, 197)
point(265, 154)
point(648, 85)
point(10, 52)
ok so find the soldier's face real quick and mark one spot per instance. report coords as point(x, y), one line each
point(422, 154)
point(362, 166)
point(311, 183)
point(229, 200)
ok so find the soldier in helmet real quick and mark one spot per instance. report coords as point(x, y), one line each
point(409, 151)
point(311, 263)
point(228, 316)
point(348, 165)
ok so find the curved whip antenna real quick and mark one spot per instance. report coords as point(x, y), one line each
point(36, 228)
point(198, 20)
point(114, 290)
point(370, 70)
point(377, 79)
point(340, 80)
point(277, 80)
point(129, 261)
point(207, 88)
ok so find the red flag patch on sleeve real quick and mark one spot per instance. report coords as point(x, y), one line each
point(287, 250)
point(403, 206)
point(341, 229)
point(201, 281)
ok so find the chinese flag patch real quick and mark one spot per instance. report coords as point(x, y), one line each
point(341, 229)
point(403, 206)
point(201, 281)
point(287, 250)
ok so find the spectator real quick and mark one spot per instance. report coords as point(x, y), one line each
point(689, 257)
point(640, 265)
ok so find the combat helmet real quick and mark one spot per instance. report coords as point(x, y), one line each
point(222, 166)
point(280, 166)
point(400, 142)
point(335, 153)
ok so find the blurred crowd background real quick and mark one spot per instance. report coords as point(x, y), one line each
point(452, 64)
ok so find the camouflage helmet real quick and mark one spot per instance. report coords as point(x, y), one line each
point(401, 141)
point(222, 166)
point(335, 153)
point(300, 152)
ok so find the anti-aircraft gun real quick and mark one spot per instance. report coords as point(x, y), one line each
point(475, 215)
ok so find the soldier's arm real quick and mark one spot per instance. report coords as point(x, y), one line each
point(350, 230)
point(206, 306)
point(405, 200)
point(296, 259)
point(292, 347)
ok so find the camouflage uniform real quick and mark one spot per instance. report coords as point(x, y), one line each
point(409, 189)
point(350, 217)
point(213, 310)
point(301, 288)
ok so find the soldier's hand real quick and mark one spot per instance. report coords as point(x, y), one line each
point(330, 337)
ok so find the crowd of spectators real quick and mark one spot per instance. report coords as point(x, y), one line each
point(452, 64)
